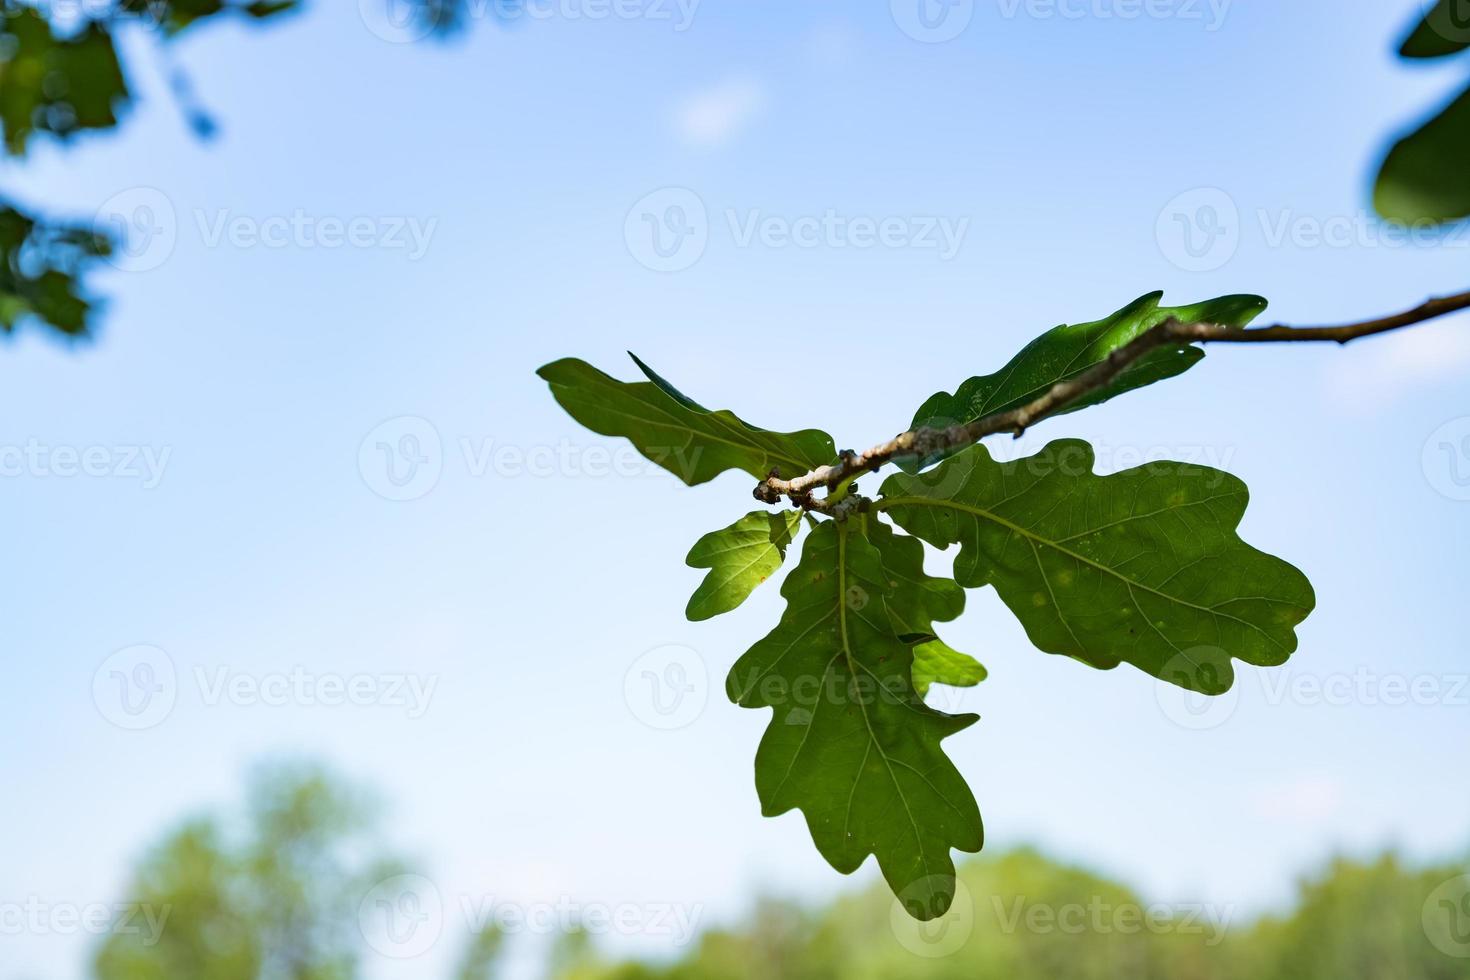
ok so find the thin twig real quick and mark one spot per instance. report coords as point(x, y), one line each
point(925, 442)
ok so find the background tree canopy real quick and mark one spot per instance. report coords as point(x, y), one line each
point(274, 891)
point(62, 77)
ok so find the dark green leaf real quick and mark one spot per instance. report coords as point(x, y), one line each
point(1065, 351)
point(739, 557)
point(1424, 178)
point(1445, 30)
point(56, 84)
point(850, 743)
point(1143, 567)
point(917, 601)
point(42, 269)
point(693, 443)
point(262, 9)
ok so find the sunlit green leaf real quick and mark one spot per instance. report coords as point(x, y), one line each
point(850, 743)
point(739, 557)
point(936, 662)
point(1143, 567)
point(1068, 350)
point(693, 443)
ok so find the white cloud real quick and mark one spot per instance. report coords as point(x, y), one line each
point(1376, 372)
point(713, 117)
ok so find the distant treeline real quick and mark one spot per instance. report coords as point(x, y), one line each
point(298, 884)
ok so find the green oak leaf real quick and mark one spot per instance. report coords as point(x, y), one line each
point(739, 557)
point(850, 743)
point(915, 602)
point(1442, 32)
point(691, 442)
point(1065, 351)
point(1143, 566)
point(1422, 180)
point(936, 662)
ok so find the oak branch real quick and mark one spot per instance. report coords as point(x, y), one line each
point(837, 478)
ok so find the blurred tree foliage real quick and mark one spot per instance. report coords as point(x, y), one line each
point(1035, 919)
point(41, 270)
point(273, 893)
point(275, 897)
point(62, 74)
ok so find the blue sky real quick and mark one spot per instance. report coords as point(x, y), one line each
point(486, 198)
